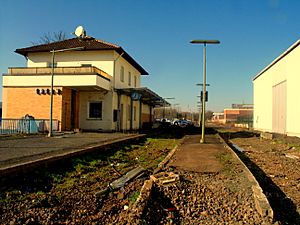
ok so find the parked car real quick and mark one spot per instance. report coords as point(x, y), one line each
point(183, 123)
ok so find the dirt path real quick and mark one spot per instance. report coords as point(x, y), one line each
point(197, 157)
point(213, 188)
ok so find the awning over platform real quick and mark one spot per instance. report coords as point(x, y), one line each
point(145, 95)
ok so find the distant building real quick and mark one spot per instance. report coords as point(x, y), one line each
point(218, 117)
point(276, 94)
point(238, 114)
point(242, 106)
point(95, 88)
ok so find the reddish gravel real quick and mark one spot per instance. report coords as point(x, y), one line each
point(276, 165)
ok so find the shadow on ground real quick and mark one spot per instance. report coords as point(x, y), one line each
point(160, 209)
point(284, 209)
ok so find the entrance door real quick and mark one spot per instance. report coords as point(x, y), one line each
point(279, 108)
point(74, 114)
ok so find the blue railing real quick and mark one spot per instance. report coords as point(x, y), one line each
point(26, 126)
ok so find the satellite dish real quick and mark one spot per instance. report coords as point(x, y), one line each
point(80, 32)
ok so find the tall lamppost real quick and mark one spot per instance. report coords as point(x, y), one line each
point(50, 134)
point(204, 42)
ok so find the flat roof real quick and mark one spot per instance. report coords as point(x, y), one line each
point(147, 96)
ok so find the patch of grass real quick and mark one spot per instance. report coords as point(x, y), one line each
point(68, 183)
point(133, 196)
point(294, 146)
point(160, 159)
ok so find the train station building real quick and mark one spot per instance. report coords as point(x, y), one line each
point(96, 86)
point(276, 94)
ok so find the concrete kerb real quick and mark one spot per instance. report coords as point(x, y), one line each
point(262, 204)
point(21, 167)
point(145, 194)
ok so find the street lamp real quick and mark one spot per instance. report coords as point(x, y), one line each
point(50, 134)
point(204, 42)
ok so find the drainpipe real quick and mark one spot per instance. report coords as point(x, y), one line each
point(131, 113)
point(118, 123)
point(150, 115)
point(140, 116)
point(119, 112)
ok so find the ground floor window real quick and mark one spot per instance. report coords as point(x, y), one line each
point(129, 112)
point(134, 113)
point(95, 110)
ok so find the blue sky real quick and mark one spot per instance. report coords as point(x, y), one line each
point(157, 34)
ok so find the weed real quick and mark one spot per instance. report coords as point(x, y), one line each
point(294, 146)
point(39, 193)
point(133, 196)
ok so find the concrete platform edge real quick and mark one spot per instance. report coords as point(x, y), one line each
point(262, 204)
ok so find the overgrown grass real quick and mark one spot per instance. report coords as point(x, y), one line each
point(96, 169)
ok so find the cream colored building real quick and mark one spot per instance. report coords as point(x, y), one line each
point(97, 86)
point(276, 94)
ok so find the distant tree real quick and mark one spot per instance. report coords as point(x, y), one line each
point(208, 115)
point(51, 37)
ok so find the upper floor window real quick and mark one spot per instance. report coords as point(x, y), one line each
point(86, 65)
point(122, 74)
point(129, 78)
point(135, 81)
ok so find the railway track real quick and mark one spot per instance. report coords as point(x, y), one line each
point(173, 195)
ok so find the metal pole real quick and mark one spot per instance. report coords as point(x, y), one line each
point(203, 95)
point(51, 96)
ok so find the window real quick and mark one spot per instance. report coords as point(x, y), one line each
point(134, 113)
point(122, 74)
point(95, 110)
point(50, 64)
point(129, 112)
point(86, 65)
point(129, 78)
point(135, 81)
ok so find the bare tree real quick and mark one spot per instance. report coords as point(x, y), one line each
point(209, 115)
point(51, 37)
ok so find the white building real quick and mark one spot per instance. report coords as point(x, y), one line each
point(96, 87)
point(277, 95)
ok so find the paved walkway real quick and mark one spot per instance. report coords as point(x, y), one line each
point(197, 157)
point(15, 151)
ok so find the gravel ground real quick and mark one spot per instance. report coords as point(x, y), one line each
point(205, 198)
point(276, 165)
point(67, 194)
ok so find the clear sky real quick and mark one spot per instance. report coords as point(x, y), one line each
point(156, 33)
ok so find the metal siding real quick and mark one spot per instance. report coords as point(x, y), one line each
point(279, 108)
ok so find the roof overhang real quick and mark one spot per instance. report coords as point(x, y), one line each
point(146, 95)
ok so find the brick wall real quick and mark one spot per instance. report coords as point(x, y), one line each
point(17, 102)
